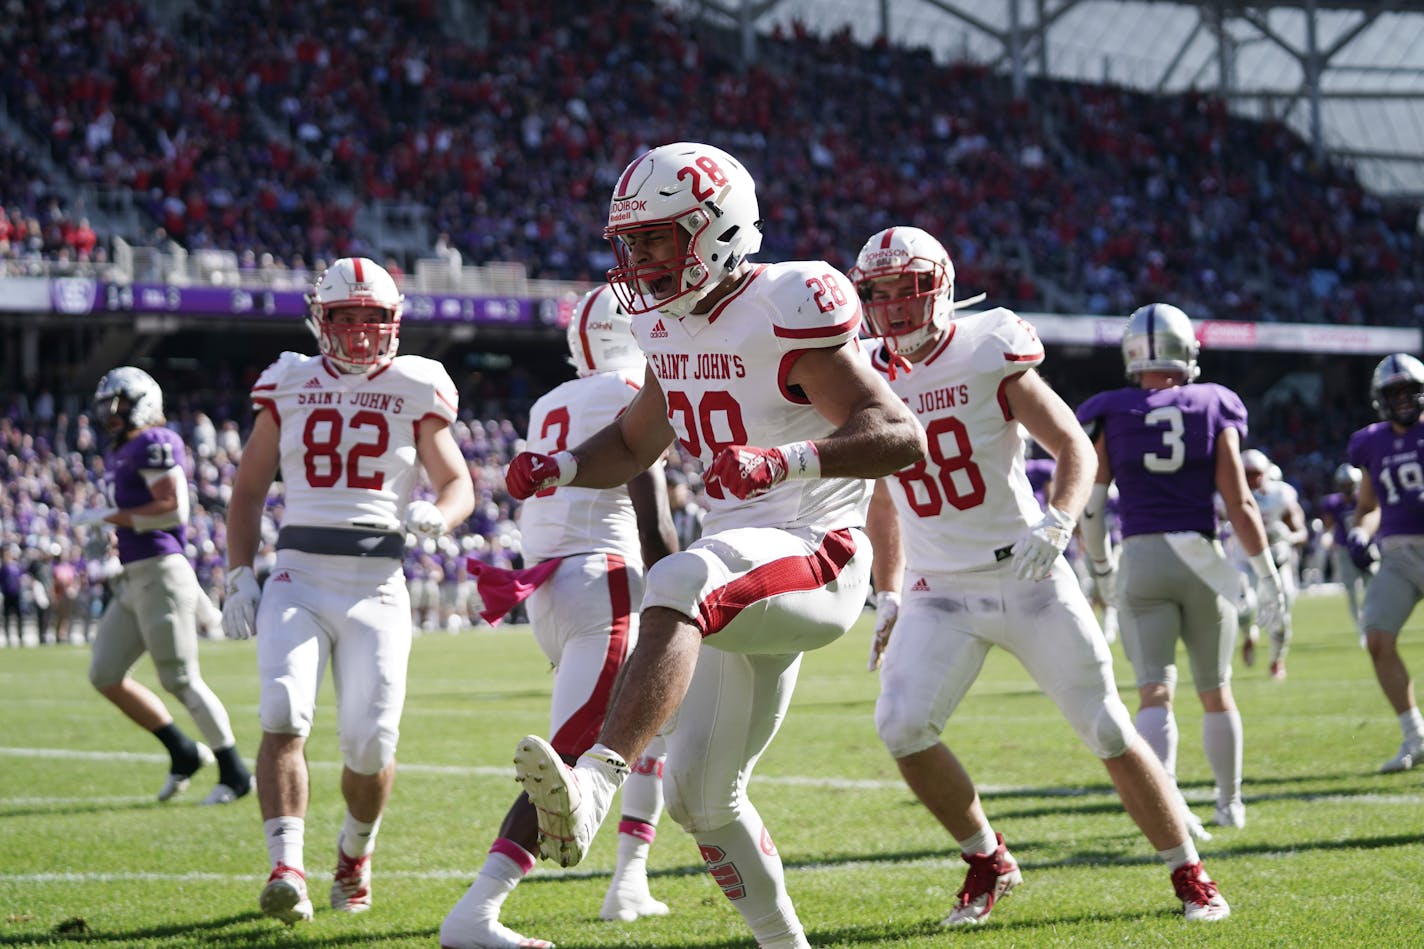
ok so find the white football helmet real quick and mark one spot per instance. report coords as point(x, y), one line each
point(1254, 461)
point(601, 335)
point(355, 282)
point(134, 386)
point(1397, 389)
point(703, 197)
point(906, 323)
point(1159, 336)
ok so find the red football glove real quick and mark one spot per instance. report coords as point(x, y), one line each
point(745, 472)
point(531, 472)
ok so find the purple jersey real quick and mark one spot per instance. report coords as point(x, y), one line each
point(1396, 466)
point(1162, 448)
point(1040, 472)
point(1342, 512)
point(147, 453)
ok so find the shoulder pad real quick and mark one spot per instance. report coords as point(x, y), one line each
point(1004, 343)
point(813, 305)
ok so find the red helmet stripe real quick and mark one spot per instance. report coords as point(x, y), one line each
point(583, 326)
point(885, 241)
point(623, 182)
point(356, 266)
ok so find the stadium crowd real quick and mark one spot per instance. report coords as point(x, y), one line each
point(266, 128)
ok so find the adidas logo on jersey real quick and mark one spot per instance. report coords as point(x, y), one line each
point(312, 383)
point(659, 331)
point(920, 586)
point(283, 577)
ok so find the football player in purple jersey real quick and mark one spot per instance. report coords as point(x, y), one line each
point(1337, 513)
point(1169, 445)
point(1389, 512)
point(155, 604)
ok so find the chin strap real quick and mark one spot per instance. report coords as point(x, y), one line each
point(897, 361)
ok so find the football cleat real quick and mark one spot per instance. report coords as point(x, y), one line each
point(991, 877)
point(619, 905)
point(1230, 814)
point(1278, 670)
point(226, 793)
point(1410, 754)
point(571, 802)
point(351, 883)
point(1248, 645)
point(175, 784)
point(1201, 903)
point(470, 925)
point(285, 896)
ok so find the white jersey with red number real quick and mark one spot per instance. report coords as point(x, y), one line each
point(568, 520)
point(347, 443)
point(724, 376)
point(970, 498)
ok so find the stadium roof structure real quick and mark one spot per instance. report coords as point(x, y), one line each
point(1348, 75)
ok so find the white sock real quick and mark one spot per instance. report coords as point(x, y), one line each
point(1180, 856)
point(634, 841)
point(984, 841)
point(643, 791)
point(751, 877)
point(285, 839)
point(1412, 724)
point(1158, 725)
point(358, 838)
point(474, 920)
point(1221, 739)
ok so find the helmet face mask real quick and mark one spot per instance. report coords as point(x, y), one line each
point(906, 285)
point(1159, 338)
point(354, 311)
point(600, 335)
point(127, 399)
point(1397, 389)
point(683, 217)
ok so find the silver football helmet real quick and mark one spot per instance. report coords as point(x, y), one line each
point(1347, 478)
point(601, 335)
point(355, 282)
point(907, 321)
point(134, 386)
point(1159, 336)
point(1397, 389)
point(705, 201)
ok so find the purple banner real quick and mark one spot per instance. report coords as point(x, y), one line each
point(289, 304)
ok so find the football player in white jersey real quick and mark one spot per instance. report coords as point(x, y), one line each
point(1284, 520)
point(351, 430)
point(584, 616)
point(966, 560)
point(756, 369)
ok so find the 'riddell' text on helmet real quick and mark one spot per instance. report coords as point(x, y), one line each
point(355, 282)
point(601, 335)
point(700, 203)
point(134, 386)
point(1397, 389)
point(918, 311)
point(1159, 337)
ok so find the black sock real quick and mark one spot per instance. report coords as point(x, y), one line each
point(231, 770)
point(182, 750)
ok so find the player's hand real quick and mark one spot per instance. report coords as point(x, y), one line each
point(89, 515)
point(1036, 551)
point(531, 472)
point(239, 612)
point(1358, 544)
point(887, 611)
point(745, 472)
point(1270, 602)
point(1105, 579)
point(424, 519)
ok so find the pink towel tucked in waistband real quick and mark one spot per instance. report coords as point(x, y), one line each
point(502, 590)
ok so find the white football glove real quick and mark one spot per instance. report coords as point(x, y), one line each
point(239, 612)
point(424, 519)
point(1036, 551)
point(1105, 579)
point(1270, 598)
point(90, 515)
point(887, 611)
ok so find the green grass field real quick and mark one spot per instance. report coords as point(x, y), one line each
point(1332, 854)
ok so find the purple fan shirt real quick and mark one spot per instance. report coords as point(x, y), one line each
point(1162, 447)
point(1396, 466)
point(152, 449)
point(1040, 472)
point(1342, 509)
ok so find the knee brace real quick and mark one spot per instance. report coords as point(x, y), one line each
point(904, 729)
point(1112, 731)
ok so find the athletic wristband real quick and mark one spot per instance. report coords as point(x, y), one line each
point(802, 460)
point(1263, 565)
point(568, 466)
